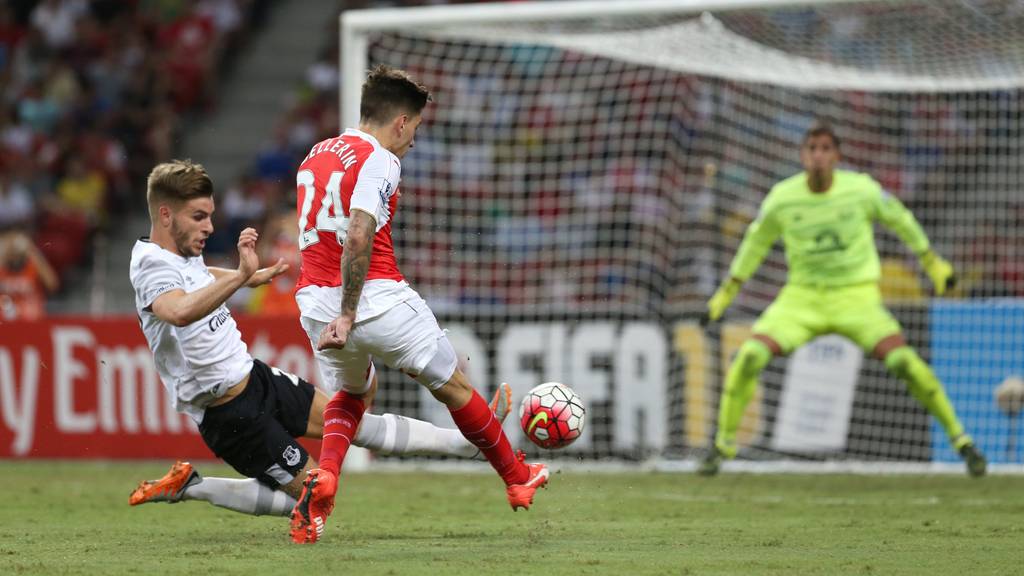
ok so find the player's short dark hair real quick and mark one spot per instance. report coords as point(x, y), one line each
point(389, 92)
point(821, 128)
point(177, 182)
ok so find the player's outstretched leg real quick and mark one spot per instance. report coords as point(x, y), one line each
point(341, 420)
point(395, 434)
point(926, 388)
point(740, 383)
point(183, 482)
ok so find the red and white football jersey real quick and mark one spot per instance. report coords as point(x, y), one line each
point(339, 175)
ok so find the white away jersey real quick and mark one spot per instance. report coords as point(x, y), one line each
point(198, 362)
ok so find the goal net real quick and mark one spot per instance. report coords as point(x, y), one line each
point(587, 169)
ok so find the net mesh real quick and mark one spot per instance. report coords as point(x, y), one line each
point(578, 189)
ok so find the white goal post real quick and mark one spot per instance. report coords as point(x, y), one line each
point(587, 169)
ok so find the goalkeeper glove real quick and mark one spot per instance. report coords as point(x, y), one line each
point(939, 270)
point(722, 298)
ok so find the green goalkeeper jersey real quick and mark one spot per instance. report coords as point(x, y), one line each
point(829, 236)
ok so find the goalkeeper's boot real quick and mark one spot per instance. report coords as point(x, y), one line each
point(309, 516)
point(975, 460)
point(521, 495)
point(711, 463)
point(170, 488)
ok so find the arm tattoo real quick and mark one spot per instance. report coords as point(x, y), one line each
point(355, 262)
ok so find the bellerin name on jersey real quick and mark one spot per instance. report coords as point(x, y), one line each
point(346, 155)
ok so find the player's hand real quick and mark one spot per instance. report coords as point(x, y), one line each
point(722, 297)
point(248, 261)
point(335, 334)
point(939, 270)
point(265, 275)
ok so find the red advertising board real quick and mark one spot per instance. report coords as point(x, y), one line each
point(76, 387)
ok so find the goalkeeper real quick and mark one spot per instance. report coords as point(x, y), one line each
point(825, 218)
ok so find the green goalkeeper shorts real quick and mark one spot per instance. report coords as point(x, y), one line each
point(801, 313)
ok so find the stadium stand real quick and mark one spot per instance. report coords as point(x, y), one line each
point(93, 93)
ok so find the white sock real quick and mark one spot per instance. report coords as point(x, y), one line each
point(247, 496)
point(394, 434)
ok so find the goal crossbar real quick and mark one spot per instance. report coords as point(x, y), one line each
point(356, 25)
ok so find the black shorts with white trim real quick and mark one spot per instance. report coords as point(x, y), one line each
point(256, 431)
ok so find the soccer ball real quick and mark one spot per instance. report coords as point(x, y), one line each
point(552, 415)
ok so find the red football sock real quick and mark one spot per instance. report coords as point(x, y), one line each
point(478, 424)
point(341, 420)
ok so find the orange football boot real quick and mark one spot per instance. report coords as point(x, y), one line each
point(170, 488)
point(521, 495)
point(309, 516)
point(501, 404)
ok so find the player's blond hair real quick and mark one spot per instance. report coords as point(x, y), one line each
point(175, 183)
point(389, 92)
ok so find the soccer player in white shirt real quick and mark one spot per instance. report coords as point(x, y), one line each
point(248, 413)
point(355, 304)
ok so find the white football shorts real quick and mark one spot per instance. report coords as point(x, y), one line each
point(406, 337)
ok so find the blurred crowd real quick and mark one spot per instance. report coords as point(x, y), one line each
point(541, 180)
point(92, 94)
point(264, 195)
point(548, 180)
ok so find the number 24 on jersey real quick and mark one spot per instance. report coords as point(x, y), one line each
point(329, 218)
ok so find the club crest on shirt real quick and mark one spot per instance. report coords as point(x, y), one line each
point(827, 241)
point(291, 455)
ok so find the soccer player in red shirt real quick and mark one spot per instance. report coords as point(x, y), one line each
point(355, 304)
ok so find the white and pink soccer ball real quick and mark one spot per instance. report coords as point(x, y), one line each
point(552, 415)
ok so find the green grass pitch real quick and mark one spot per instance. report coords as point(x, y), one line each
point(73, 518)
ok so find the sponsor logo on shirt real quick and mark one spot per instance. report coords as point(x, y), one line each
point(218, 319)
point(161, 288)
